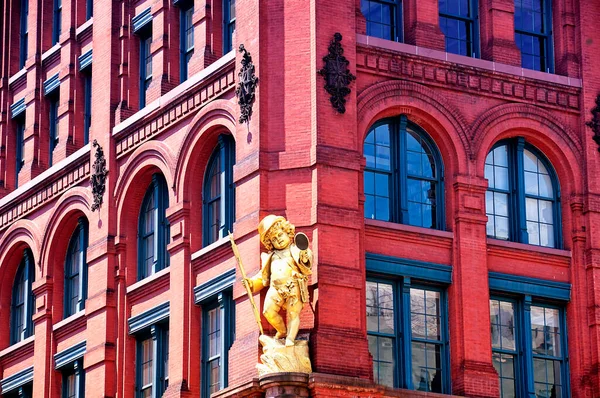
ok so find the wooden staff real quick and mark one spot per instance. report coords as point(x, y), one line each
point(236, 253)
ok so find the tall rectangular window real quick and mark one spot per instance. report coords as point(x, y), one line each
point(228, 24)
point(87, 106)
point(458, 23)
point(57, 21)
point(53, 126)
point(384, 18)
point(23, 33)
point(73, 385)
point(89, 9)
point(533, 34)
point(145, 66)
point(407, 332)
point(187, 39)
point(217, 337)
point(152, 362)
point(529, 347)
point(20, 147)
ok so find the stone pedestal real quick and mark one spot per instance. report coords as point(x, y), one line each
point(285, 385)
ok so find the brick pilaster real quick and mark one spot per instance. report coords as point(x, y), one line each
point(497, 34)
point(422, 24)
point(471, 362)
point(42, 324)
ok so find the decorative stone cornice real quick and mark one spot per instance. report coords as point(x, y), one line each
point(20, 204)
point(469, 79)
point(170, 109)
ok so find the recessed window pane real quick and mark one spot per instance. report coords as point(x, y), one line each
point(531, 183)
point(381, 185)
point(546, 235)
point(370, 207)
point(501, 178)
point(382, 208)
point(501, 224)
point(529, 161)
point(413, 165)
point(531, 209)
point(500, 204)
point(545, 186)
point(369, 153)
point(382, 158)
point(533, 233)
point(369, 183)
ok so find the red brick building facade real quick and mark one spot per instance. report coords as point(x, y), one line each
point(452, 208)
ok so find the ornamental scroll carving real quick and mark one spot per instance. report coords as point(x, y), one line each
point(245, 91)
point(336, 74)
point(594, 124)
point(98, 176)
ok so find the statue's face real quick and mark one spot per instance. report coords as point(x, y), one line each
point(279, 238)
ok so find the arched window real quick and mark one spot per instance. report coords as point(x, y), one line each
point(76, 270)
point(403, 176)
point(218, 192)
point(153, 229)
point(22, 300)
point(522, 200)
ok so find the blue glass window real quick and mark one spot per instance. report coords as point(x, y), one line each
point(458, 23)
point(22, 300)
point(407, 324)
point(73, 384)
point(187, 39)
point(57, 21)
point(533, 34)
point(152, 361)
point(522, 200)
point(228, 24)
point(217, 337)
point(219, 190)
point(403, 175)
point(76, 270)
point(87, 105)
point(529, 347)
point(153, 229)
point(145, 65)
point(89, 9)
point(23, 33)
point(384, 18)
point(20, 147)
point(53, 124)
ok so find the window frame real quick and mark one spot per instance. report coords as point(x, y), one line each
point(89, 9)
point(524, 356)
point(516, 201)
point(80, 235)
point(25, 270)
point(23, 33)
point(53, 104)
point(223, 156)
point(403, 339)
point(75, 369)
point(224, 301)
point(158, 333)
point(56, 21)
point(186, 50)
point(547, 61)
point(398, 188)
point(161, 232)
point(145, 59)
point(398, 23)
point(473, 21)
point(87, 104)
point(20, 146)
point(228, 26)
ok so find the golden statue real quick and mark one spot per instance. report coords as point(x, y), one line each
point(284, 269)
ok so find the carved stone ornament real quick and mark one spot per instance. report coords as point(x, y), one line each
point(336, 74)
point(245, 91)
point(98, 177)
point(594, 124)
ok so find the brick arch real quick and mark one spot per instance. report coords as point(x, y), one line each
point(200, 138)
point(21, 235)
point(556, 141)
point(433, 112)
point(73, 204)
point(196, 149)
point(151, 154)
